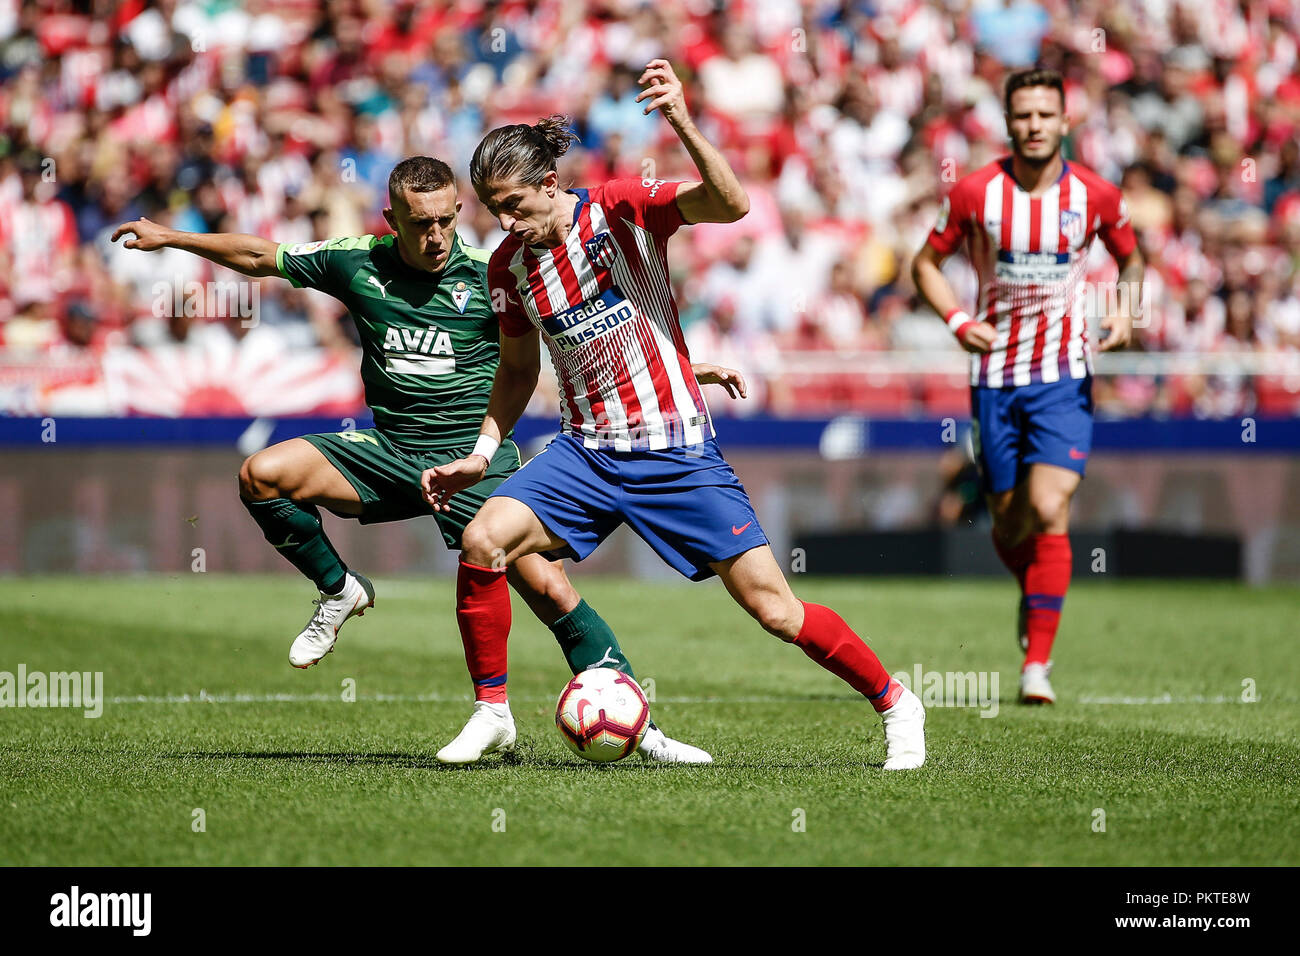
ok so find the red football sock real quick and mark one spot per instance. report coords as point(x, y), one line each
point(832, 644)
point(1047, 578)
point(483, 613)
point(1016, 559)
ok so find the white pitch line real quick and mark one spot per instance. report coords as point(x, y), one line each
point(1162, 699)
point(203, 697)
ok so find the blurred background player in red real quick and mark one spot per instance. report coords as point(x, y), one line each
point(1028, 221)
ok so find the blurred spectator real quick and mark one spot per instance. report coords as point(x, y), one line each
point(846, 121)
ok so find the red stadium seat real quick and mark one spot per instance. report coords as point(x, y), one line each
point(876, 395)
point(946, 394)
point(1275, 395)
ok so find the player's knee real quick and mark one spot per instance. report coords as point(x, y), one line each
point(479, 546)
point(257, 479)
point(777, 614)
point(1049, 509)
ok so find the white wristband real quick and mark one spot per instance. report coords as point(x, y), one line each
point(957, 320)
point(486, 446)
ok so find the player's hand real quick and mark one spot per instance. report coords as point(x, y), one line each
point(729, 378)
point(664, 92)
point(149, 236)
point(979, 337)
point(440, 483)
point(1120, 328)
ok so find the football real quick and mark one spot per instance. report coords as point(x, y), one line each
point(602, 715)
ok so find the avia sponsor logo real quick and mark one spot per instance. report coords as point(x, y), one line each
point(953, 688)
point(418, 351)
point(588, 320)
point(74, 908)
point(652, 185)
point(76, 689)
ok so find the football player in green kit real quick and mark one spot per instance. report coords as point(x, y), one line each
point(430, 343)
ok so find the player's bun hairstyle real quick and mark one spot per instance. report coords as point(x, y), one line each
point(1018, 81)
point(419, 174)
point(521, 153)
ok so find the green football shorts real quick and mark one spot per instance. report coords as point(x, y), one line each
point(387, 478)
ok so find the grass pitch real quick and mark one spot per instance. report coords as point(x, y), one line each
point(1151, 738)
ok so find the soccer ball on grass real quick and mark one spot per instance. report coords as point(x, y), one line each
point(602, 715)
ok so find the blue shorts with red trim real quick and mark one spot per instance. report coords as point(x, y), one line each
point(685, 502)
point(1022, 425)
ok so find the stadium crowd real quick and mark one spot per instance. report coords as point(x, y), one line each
point(846, 120)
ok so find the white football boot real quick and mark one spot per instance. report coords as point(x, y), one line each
point(658, 747)
point(332, 610)
point(1035, 688)
point(904, 732)
point(490, 729)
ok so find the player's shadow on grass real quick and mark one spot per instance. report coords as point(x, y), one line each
point(404, 760)
point(524, 757)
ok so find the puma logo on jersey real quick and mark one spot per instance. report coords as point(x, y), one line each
point(381, 286)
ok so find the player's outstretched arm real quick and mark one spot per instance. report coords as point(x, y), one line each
point(1119, 326)
point(729, 378)
point(719, 197)
point(516, 378)
point(933, 286)
point(249, 255)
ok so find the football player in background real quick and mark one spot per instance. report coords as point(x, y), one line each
point(429, 352)
point(1027, 221)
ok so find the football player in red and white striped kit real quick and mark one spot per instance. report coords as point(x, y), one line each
point(588, 269)
point(1028, 221)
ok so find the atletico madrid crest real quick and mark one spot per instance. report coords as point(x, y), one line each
point(601, 250)
point(1072, 225)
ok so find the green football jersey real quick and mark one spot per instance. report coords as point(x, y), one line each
point(430, 342)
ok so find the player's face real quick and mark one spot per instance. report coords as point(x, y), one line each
point(425, 224)
point(1036, 122)
point(527, 212)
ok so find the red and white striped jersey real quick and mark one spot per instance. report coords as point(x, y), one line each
point(603, 303)
point(1031, 254)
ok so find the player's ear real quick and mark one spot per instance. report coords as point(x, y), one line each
point(550, 183)
point(390, 218)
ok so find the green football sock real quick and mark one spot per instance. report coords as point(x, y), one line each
point(587, 641)
point(296, 532)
